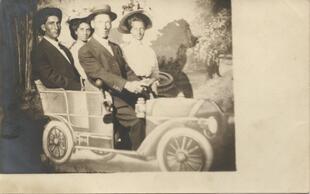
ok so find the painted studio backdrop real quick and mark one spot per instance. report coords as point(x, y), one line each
point(192, 40)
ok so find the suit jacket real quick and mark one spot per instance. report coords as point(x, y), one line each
point(53, 69)
point(113, 70)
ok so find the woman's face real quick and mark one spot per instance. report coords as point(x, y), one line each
point(137, 30)
point(83, 32)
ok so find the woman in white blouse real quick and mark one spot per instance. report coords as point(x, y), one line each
point(140, 57)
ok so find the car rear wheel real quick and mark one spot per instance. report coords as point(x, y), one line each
point(57, 142)
point(184, 149)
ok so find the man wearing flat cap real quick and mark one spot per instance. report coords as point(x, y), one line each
point(52, 62)
point(102, 59)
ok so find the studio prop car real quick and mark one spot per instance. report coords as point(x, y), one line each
point(181, 134)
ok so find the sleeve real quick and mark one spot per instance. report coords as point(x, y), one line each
point(155, 69)
point(131, 76)
point(48, 74)
point(95, 70)
point(74, 50)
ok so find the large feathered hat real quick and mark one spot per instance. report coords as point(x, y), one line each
point(133, 10)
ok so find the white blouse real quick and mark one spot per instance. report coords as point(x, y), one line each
point(141, 59)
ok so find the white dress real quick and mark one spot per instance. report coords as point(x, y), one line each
point(75, 54)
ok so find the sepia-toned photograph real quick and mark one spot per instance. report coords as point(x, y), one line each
point(116, 86)
point(154, 96)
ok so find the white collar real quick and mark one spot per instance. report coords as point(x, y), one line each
point(136, 42)
point(101, 40)
point(80, 43)
point(52, 41)
point(104, 43)
point(55, 43)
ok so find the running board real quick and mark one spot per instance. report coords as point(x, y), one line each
point(133, 154)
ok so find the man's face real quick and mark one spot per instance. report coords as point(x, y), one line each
point(102, 25)
point(137, 30)
point(51, 27)
point(83, 32)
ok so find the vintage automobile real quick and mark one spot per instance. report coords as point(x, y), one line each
point(181, 134)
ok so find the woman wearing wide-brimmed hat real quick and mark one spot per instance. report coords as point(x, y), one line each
point(80, 30)
point(140, 57)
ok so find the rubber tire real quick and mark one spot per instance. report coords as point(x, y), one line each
point(69, 139)
point(198, 137)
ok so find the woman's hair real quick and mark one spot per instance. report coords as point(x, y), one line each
point(134, 18)
point(74, 25)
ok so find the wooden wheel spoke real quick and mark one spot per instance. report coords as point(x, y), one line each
point(184, 142)
point(189, 165)
point(194, 161)
point(53, 132)
point(171, 158)
point(51, 136)
point(62, 135)
point(61, 151)
point(193, 149)
point(184, 149)
point(56, 132)
point(194, 155)
point(173, 147)
point(52, 148)
point(189, 143)
point(59, 133)
point(50, 142)
point(177, 143)
point(62, 145)
point(169, 153)
point(55, 152)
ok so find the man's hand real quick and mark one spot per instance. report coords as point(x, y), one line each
point(135, 86)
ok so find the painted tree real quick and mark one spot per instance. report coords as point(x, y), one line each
point(216, 34)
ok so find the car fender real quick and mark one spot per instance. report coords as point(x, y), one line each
point(61, 119)
point(149, 145)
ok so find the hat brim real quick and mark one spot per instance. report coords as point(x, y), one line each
point(112, 15)
point(123, 24)
point(78, 20)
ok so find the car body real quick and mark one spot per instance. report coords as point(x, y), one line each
point(182, 134)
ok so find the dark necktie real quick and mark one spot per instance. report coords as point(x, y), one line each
point(67, 56)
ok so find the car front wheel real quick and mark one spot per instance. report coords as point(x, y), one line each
point(57, 142)
point(184, 149)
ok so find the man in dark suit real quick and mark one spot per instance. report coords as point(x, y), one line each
point(102, 59)
point(53, 62)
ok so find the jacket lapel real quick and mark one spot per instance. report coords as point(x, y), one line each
point(106, 58)
point(101, 48)
point(52, 47)
point(67, 52)
point(118, 58)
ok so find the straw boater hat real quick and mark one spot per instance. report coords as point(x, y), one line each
point(42, 14)
point(76, 19)
point(140, 13)
point(106, 9)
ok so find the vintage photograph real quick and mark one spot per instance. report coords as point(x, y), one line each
point(112, 86)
